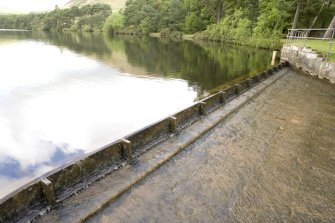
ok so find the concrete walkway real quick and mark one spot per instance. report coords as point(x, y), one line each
point(272, 160)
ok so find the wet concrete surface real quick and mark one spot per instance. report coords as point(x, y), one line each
point(272, 160)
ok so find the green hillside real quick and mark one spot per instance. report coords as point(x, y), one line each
point(115, 4)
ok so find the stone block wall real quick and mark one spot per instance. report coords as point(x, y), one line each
point(309, 61)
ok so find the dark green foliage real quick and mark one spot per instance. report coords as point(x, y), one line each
point(176, 15)
point(87, 18)
point(193, 23)
point(114, 23)
point(249, 22)
point(262, 22)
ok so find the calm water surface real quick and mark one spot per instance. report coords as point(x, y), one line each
point(63, 95)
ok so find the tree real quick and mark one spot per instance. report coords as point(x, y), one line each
point(219, 9)
point(297, 12)
point(114, 23)
point(316, 17)
point(319, 12)
point(331, 29)
point(193, 23)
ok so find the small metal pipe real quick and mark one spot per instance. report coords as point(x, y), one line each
point(273, 61)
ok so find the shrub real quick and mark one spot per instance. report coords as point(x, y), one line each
point(114, 23)
point(165, 32)
point(145, 25)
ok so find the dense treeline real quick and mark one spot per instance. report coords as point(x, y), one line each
point(195, 15)
point(86, 18)
point(248, 22)
point(251, 22)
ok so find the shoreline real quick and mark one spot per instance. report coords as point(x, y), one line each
point(14, 30)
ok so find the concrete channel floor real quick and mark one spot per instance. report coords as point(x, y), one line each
point(272, 160)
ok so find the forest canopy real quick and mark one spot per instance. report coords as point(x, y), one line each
point(253, 22)
point(86, 18)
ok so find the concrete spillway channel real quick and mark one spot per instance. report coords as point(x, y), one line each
point(233, 156)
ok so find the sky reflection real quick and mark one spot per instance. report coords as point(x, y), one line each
point(56, 105)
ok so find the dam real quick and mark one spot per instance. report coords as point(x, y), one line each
point(259, 151)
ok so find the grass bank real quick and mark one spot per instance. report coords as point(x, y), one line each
point(322, 46)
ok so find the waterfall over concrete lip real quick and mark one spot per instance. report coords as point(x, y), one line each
point(48, 116)
point(63, 95)
point(70, 179)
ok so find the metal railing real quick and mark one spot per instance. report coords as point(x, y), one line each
point(329, 51)
point(295, 36)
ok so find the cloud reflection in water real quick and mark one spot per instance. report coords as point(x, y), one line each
point(56, 105)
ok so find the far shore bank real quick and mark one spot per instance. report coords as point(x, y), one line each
point(15, 30)
point(184, 36)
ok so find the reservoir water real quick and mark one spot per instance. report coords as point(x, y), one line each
point(65, 94)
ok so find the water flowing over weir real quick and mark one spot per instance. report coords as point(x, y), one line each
point(270, 161)
point(56, 187)
point(63, 95)
point(261, 150)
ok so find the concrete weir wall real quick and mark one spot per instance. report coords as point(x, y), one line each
point(38, 196)
point(309, 61)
